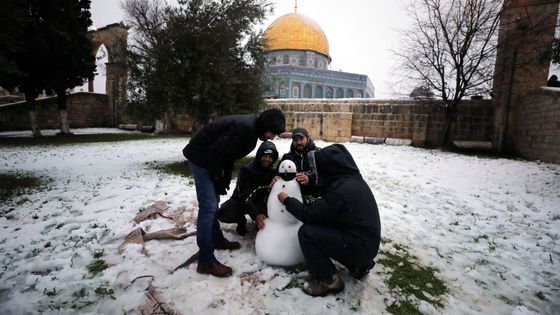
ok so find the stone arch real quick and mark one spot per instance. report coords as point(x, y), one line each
point(318, 91)
point(307, 91)
point(329, 92)
point(349, 93)
point(114, 37)
point(339, 93)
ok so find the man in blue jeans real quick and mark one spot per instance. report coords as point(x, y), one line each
point(211, 154)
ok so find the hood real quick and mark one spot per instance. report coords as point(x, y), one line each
point(267, 145)
point(271, 120)
point(332, 162)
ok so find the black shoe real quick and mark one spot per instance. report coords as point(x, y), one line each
point(316, 287)
point(241, 229)
point(225, 244)
point(360, 272)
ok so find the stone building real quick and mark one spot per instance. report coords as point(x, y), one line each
point(298, 63)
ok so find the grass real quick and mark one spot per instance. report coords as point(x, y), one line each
point(74, 139)
point(83, 297)
point(413, 281)
point(17, 184)
point(181, 168)
point(403, 307)
point(97, 266)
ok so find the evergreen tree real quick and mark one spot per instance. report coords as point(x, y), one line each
point(71, 57)
point(45, 47)
point(203, 58)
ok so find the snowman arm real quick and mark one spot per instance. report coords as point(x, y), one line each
point(244, 184)
point(253, 201)
point(318, 211)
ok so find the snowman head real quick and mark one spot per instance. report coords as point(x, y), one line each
point(287, 170)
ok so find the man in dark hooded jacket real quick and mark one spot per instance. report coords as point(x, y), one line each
point(342, 225)
point(257, 173)
point(211, 154)
point(301, 145)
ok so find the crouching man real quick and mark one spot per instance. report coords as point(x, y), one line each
point(343, 224)
point(257, 173)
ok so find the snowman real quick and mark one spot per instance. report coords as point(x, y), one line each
point(277, 244)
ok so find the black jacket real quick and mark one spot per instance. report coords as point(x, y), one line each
point(220, 143)
point(346, 202)
point(252, 175)
point(302, 165)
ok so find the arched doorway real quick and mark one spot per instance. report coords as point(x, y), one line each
point(98, 84)
point(114, 38)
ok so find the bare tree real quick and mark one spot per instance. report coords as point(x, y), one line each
point(451, 49)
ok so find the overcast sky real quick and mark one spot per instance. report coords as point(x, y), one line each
point(361, 33)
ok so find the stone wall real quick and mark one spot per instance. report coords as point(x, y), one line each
point(421, 121)
point(526, 33)
point(537, 132)
point(84, 110)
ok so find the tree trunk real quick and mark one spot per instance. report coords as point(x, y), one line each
point(450, 114)
point(162, 125)
point(61, 102)
point(35, 129)
point(31, 105)
point(64, 127)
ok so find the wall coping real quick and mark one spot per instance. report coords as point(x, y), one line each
point(330, 113)
point(43, 99)
point(369, 101)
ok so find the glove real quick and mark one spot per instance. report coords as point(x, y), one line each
point(221, 185)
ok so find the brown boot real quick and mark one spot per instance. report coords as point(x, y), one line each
point(215, 268)
point(225, 244)
point(316, 287)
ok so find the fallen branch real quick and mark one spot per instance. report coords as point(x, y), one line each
point(189, 261)
point(138, 236)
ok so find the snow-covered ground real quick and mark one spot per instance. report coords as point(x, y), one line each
point(490, 226)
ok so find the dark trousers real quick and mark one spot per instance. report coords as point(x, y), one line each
point(232, 211)
point(320, 244)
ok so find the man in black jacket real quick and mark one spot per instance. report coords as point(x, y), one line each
point(257, 173)
point(211, 153)
point(301, 145)
point(342, 225)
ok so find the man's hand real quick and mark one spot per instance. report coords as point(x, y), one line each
point(282, 196)
point(302, 179)
point(221, 185)
point(260, 221)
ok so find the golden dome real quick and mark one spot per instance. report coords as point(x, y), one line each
point(296, 31)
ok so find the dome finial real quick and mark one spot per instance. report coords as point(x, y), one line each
point(296, 7)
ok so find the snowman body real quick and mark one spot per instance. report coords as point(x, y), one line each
point(277, 244)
